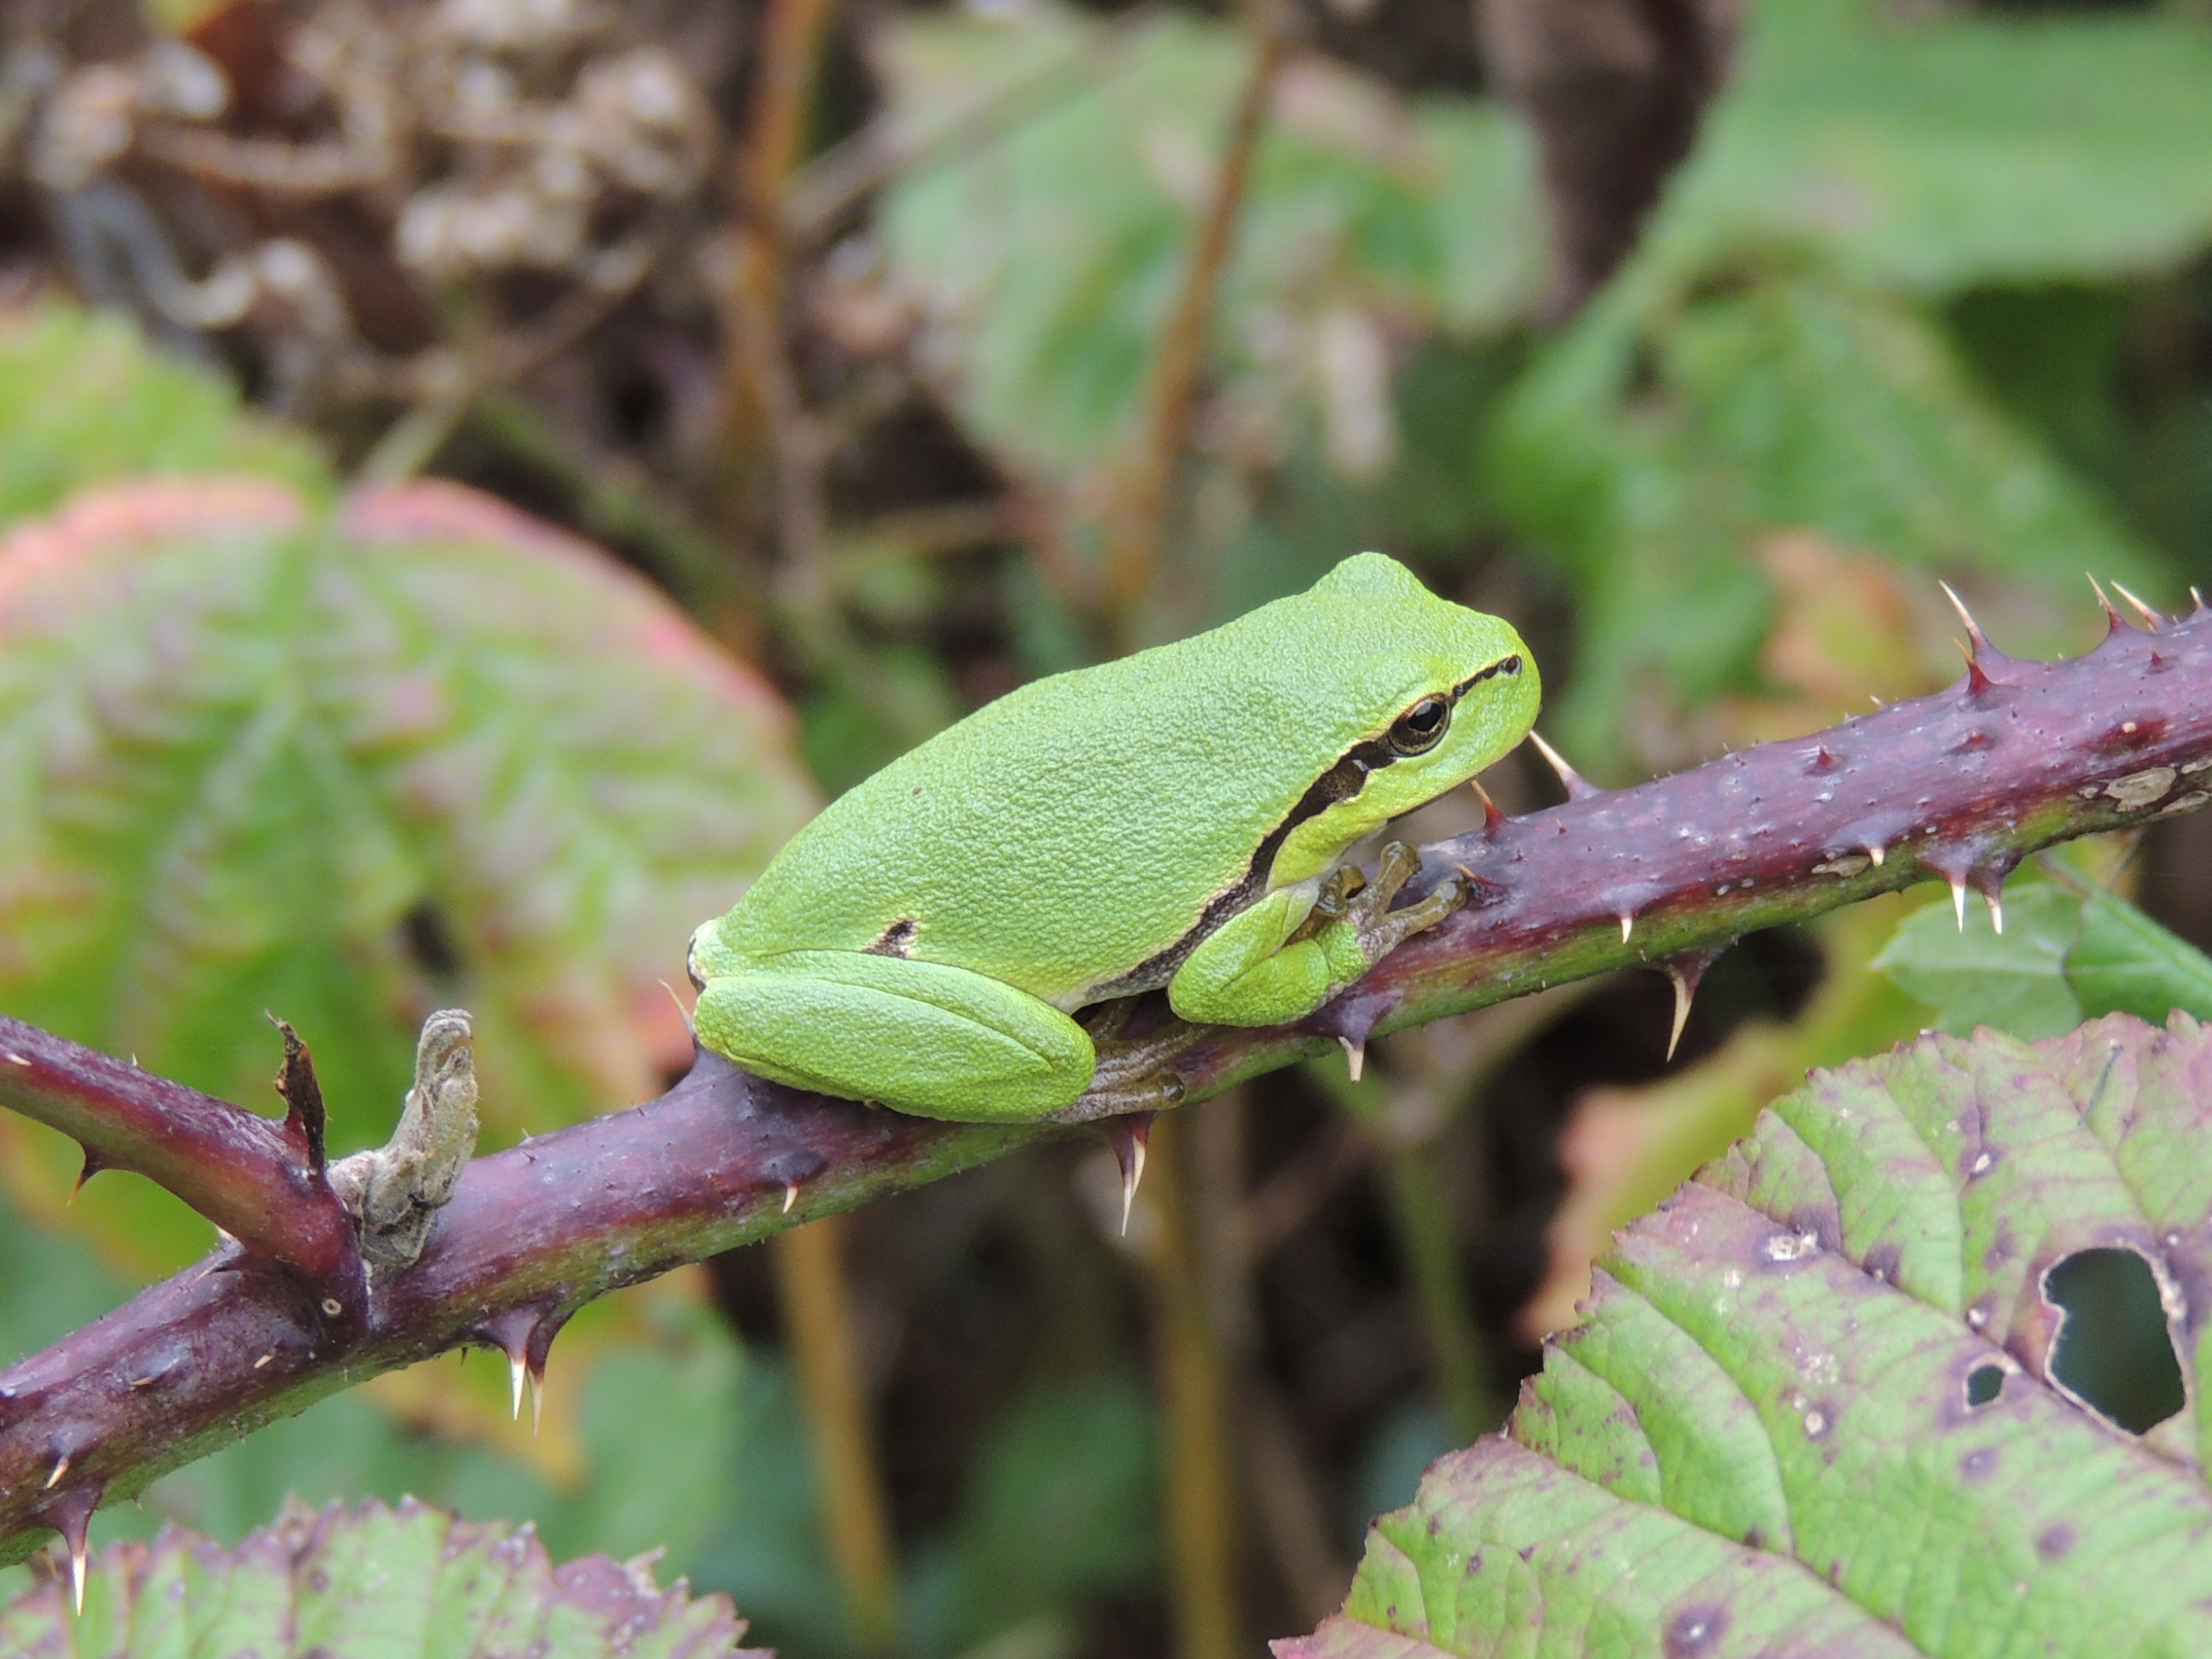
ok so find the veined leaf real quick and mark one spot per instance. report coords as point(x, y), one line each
point(371, 1582)
point(349, 768)
point(1822, 1402)
point(2065, 954)
point(84, 400)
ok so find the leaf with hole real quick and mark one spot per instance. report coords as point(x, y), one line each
point(1913, 1370)
point(404, 1583)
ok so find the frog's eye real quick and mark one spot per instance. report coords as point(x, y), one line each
point(1417, 730)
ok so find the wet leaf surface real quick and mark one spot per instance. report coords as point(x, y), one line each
point(1811, 1410)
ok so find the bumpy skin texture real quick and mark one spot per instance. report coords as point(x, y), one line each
point(1167, 819)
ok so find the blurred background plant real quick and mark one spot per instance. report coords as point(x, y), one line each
point(476, 473)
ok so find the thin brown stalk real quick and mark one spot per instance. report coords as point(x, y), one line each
point(817, 1316)
point(1180, 360)
point(1197, 1479)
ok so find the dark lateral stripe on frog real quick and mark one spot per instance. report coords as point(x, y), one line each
point(1507, 665)
point(1342, 781)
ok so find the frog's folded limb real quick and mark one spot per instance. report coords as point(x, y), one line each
point(920, 1036)
point(1266, 966)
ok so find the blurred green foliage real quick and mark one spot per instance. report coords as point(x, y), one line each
point(2069, 952)
point(82, 400)
point(1904, 303)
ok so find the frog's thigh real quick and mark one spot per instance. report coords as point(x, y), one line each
point(923, 1038)
point(1244, 974)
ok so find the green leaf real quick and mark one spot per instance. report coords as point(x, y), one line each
point(349, 768)
point(2065, 954)
point(1653, 447)
point(1973, 976)
point(1045, 253)
point(1819, 1404)
point(371, 1582)
point(1952, 149)
point(83, 400)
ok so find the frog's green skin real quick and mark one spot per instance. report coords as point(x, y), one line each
point(1169, 819)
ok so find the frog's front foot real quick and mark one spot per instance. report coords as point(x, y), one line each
point(1381, 930)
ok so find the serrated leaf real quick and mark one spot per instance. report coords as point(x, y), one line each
point(1811, 1409)
point(349, 767)
point(1046, 253)
point(2063, 955)
point(83, 400)
point(371, 1582)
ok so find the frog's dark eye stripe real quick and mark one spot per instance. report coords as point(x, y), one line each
point(1504, 666)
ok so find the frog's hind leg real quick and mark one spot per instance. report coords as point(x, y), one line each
point(919, 1036)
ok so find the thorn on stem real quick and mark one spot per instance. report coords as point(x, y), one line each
point(1131, 1137)
point(70, 1515)
point(515, 1372)
point(1627, 926)
point(1687, 971)
point(1492, 817)
point(1959, 902)
point(1978, 640)
point(1355, 1057)
point(1873, 851)
point(2112, 622)
point(1578, 786)
point(61, 1469)
point(305, 1118)
point(790, 1195)
point(2197, 598)
point(2152, 619)
point(92, 1165)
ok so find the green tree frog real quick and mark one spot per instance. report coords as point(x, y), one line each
point(1175, 819)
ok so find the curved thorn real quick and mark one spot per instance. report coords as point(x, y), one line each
point(515, 1369)
point(1685, 972)
point(2197, 599)
point(1959, 902)
point(76, 1554)
point(1996, 911)
point(1578, 786)
point(1979, 640)
point(61, 1469)
point(1875, 701)
point(1492, 817)
point(2113, 624)
point(1874, 850)
point(1130, 1137)
point(1627, 926)
point(1976, 681)
point(536, 1400)
point(2152, 619)
point(1355, 1057)
point(790, 1195)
